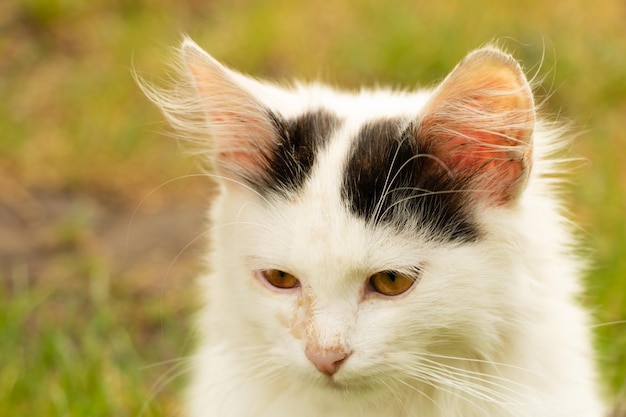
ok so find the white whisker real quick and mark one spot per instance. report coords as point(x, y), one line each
point(443, 385)
point(181, 367)
point(484, 361)
point(608, 323)
point(386, 185)
point(148, 195)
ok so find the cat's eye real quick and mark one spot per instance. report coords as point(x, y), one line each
point(279, 279)
point(391, 283)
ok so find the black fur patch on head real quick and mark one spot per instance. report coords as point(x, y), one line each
point(299, 141)
point(391, 177)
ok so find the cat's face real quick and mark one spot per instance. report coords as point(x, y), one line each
point(323, 293)
point(358, 232)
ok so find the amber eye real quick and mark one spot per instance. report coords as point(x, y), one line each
point(280, 279)
point(390, 283)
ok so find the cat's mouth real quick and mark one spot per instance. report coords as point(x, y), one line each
point(332, 382)
point(341, 383)
point(340, 386)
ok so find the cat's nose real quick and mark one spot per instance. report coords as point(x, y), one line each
point(327, 361)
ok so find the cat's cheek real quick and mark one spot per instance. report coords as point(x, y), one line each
point(290, 307)
point(297, 320)
point(285, 319)
point(286, 314)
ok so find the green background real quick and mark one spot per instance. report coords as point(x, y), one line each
point(101, 213)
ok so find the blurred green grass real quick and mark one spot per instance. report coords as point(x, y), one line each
point(86, 328)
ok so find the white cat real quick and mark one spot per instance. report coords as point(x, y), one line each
point(383, 253)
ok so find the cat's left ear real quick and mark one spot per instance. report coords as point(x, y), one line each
point(479, 124)
point(242, 128)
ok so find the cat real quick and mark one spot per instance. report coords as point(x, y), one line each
point(383, 253)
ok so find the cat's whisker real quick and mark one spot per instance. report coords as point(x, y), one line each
point(265, 374)
point(484, 361)
point(414, 157)
point(258, 363)
point(182, 366)
point(483, 377)
point(248, 187)
point(146, 197)
point(447, 379)
point(175, 361)
point(401, 381)
point(486, 378)
point(386, 192)
point(179, 254)
point(505, 392)
point(422, 193)
point(608, 323)
point(387, 184)
point(440, 384)
point(251, 189)
point(468, 384)
point(468, 390)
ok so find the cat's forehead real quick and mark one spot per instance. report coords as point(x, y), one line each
point(318, 232)
point(375, 169)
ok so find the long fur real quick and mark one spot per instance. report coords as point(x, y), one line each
point(491, 328)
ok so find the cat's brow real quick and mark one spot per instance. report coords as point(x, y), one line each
point(391, 178)
point(299, 142)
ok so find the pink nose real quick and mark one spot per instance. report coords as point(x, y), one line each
point(326, 361)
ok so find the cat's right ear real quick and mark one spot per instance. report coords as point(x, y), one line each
point(243, 130)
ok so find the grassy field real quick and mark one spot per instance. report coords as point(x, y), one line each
point(98, 245)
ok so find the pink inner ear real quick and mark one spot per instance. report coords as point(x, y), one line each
point(480, 122)
point(241, 129)
point(492, 163)
point(491, 168)
point(243, 141)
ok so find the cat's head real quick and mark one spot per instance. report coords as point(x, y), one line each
point(363, 237)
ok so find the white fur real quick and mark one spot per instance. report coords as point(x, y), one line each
point(491, 329)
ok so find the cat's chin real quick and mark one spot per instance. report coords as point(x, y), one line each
point(342, 384)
